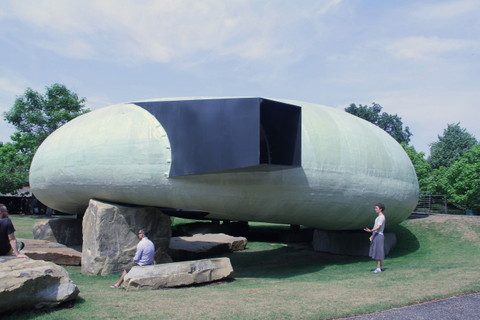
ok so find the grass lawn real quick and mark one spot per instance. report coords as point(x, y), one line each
point(435, 257)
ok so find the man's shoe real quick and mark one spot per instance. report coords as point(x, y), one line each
point(378, 270)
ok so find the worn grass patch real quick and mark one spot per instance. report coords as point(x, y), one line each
point(435, 257)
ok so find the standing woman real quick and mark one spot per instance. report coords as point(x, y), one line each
point(377, 251)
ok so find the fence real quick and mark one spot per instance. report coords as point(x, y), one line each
point(432, 204)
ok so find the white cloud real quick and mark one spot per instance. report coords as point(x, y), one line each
point(446, 10)
point(163, 31)
point(75, 48)
point(425, 48)
point(327, 6)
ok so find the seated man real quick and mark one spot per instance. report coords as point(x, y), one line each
point(143, 256)
point(8, 243)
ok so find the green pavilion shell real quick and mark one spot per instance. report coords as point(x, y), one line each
point(241, 159)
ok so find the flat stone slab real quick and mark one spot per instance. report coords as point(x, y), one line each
point(177, 274)
point(51, 251)
point(350, 243)
point(191, 229)
point(204, 245)
point(27, 283)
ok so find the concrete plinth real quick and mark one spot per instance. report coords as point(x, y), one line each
point(351, 243)
point(110, 235)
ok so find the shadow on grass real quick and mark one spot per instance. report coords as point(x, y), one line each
point(33, 314)
point(296, 259)
point(407, 242)
point(284, 262)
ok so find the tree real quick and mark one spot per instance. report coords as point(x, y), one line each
point(436, 182)
point(463, 180)
point(13, 169)
point(421, 165)
point(454, 142)
point(392, 124)
point(35, 116)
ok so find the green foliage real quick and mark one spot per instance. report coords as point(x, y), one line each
point(35, 116)
point(460, 182)
point(454, 142)
point(13, 169)
point(421, 165)
point(371, 114)
point(436, 183)
point(392, 124)
point(463, 180)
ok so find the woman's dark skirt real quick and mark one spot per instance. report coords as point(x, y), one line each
point(377, 251)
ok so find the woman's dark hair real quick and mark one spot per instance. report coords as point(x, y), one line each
point(380, 205)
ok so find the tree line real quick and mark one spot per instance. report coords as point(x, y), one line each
point(452, 169)
point(453, 166)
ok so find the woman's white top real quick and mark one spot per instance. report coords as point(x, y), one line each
point(380, 221)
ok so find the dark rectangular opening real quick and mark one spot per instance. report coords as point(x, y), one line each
point(280, 133)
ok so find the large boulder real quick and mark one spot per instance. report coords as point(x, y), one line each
point(178, 274)
point(204, 245)
point(51, 251)
point(27, 283)
point(110, 235)
point(67, 231)
point(351, 243)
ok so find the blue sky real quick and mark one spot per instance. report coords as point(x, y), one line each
point(418, 59)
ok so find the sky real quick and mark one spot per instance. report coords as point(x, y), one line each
point(418, 59)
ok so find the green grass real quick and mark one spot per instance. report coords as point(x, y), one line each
point(435, 257)
point(23, 225)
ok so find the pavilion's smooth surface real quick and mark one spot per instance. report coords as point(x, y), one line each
point(122, 154)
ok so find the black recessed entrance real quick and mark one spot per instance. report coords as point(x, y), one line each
point(219, 135)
